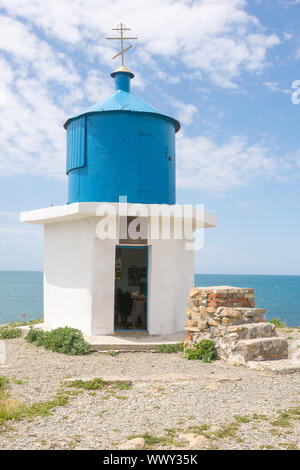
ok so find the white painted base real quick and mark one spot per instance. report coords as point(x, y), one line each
point(79, 275)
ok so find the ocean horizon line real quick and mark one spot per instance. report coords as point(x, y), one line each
point(195, 273)
point(21, 292)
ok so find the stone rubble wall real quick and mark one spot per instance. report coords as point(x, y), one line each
point(227, 315)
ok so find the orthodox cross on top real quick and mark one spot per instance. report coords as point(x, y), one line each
point(121, 28)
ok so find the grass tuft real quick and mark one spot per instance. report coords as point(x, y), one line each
point(113, 353)
point(94, 384)
point(199, 429)
point(277, 322)
point(228, 430)
point(13, 410)
point(170, 348)
point(122, 385)
point(284, 418)
point(242, 419)
point(3, 383)
point(151, 440)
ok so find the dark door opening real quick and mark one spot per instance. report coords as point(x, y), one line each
point(131, 288)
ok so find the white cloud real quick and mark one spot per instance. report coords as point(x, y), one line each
point(31, 135)
point(275, 86)
point(216, 36)
point(289, 3)
point(27, 50)
point(185, 111)
point(215, 168)
point(54, 58)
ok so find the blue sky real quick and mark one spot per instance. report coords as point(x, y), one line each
point(224, 68)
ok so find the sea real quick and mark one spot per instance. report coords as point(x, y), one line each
point(21, 294)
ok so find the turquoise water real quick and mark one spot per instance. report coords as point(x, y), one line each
point(22, 293)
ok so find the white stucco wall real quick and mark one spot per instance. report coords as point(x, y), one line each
point(79, 274)
point(103, 286)
point(68, 275)
point(78, 277)
point(171, 276)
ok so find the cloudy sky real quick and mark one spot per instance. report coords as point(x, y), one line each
point(225, 68)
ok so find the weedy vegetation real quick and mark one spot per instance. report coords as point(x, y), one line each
point(205, 351)
point(94, 384)
point(152, 440)
point(113, 353)
point(277, 322)
point(98, 384)
point(3, 383)
point(65, 340)
point(285, 417)
point(12, 331)
point(13, 410)
point(170, 348)
point(7, 332)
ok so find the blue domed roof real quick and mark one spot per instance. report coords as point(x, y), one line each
point(123, 100)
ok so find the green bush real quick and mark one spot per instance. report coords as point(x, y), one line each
point(34, 334)
point(205, 350)
point(62, 340)
point(10, 333)
point(277, 322)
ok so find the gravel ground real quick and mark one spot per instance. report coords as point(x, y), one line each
point(169, 396)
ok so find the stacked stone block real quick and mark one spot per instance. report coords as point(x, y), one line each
point(227, 315)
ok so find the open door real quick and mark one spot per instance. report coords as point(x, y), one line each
point(131, 288)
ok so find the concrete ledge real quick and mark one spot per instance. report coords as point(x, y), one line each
point(133, 341)
point(281, 366)
point(83, 210)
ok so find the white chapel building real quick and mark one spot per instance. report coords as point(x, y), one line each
point(114, 256)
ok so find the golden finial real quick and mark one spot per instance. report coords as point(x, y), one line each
point(121, 28)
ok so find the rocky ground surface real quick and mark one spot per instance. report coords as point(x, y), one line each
point(172, 403)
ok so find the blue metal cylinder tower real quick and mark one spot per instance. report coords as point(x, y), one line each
point(121, 147)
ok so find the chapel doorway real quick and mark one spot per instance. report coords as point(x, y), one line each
point(131, 288)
